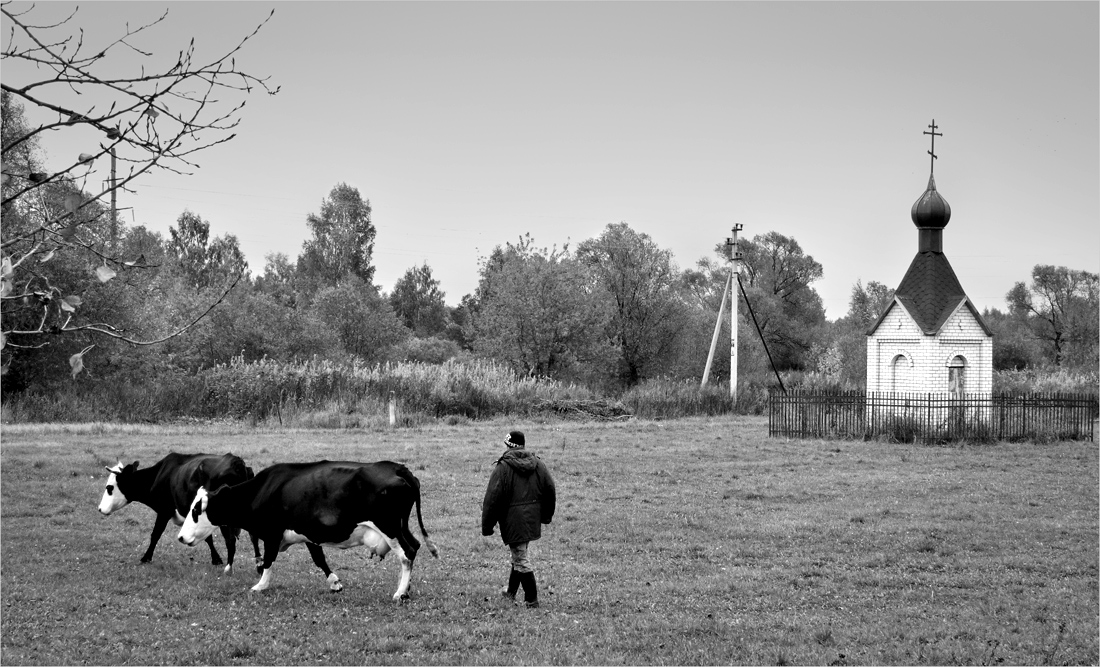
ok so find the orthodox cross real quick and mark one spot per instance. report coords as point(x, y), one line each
point(932, 152)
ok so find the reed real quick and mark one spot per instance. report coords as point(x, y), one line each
point(316, 392)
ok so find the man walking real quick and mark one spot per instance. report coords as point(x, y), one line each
point(520, 497)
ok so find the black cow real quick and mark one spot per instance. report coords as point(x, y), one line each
point(168, 487)
point(335, 503)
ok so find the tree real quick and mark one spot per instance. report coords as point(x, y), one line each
point(149, 118)
point(253, 325)
point(1060, 310)
point(867, 304)
point(202, 261)
point(1013, 345)
point(704, 288)
point(418, 301)
point(640, 280)
point(343, 239)
point(841, 348)
point(777, 277)
point(279, 279)
point(458, 321)
point(20, 145)
point(362, 320)
point(536, 311)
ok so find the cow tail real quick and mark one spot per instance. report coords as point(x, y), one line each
point(427, 540)
point(415, 484)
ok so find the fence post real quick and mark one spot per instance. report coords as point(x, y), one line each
point(1021, 422)
point(775, 415)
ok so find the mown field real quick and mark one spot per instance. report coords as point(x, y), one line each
point(696, 541)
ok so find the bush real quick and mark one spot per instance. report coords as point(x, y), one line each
point(1030, 381)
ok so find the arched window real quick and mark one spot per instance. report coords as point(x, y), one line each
point(899, 372)
point(956, 376)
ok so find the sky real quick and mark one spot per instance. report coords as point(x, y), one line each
point(469, 124)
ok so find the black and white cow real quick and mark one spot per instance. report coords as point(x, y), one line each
point(326, 503)
point(169, 486)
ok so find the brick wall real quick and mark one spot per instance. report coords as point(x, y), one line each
point(924, 360)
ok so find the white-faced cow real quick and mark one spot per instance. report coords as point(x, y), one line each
point(326, 503)
point(169, 486)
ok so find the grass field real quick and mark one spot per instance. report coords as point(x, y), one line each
point(697, 541)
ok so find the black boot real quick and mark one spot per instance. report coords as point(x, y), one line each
point(530, 589)
point(513, 585)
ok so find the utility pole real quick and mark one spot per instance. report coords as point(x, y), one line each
point(114, 204)
point(731, 290)
point(735, 272)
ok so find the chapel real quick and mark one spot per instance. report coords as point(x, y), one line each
point(930, 339)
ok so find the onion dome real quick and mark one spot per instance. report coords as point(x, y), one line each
point(931, 211)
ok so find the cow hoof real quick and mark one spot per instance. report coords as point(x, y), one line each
point(146, 559)
point(228, 569)
point(216, 561)
point(334, 584)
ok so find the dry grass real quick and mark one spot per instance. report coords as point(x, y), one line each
point(696, 541)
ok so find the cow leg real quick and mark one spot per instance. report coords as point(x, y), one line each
point(158, 529)
point(258, 560)
point(408, 540)
point(318, 555)
point(230, 535)
point(409, 546)
point(215, 558)
point(271, 551)
point(406, 568)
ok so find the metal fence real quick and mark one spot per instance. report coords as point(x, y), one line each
point(931, 417)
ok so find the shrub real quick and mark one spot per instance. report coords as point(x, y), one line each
point(1030, 381)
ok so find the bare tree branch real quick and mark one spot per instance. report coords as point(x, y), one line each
point(152, 117)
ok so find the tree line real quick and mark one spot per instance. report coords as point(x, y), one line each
point(610, 314)
point(87, 298)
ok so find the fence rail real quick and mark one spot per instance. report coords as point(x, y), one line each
point(931, 417)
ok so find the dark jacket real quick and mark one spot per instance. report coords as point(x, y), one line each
point(520, 497)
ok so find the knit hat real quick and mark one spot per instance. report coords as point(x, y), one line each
point(514, 440)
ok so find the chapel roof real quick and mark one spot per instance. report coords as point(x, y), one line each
point(931, 292)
